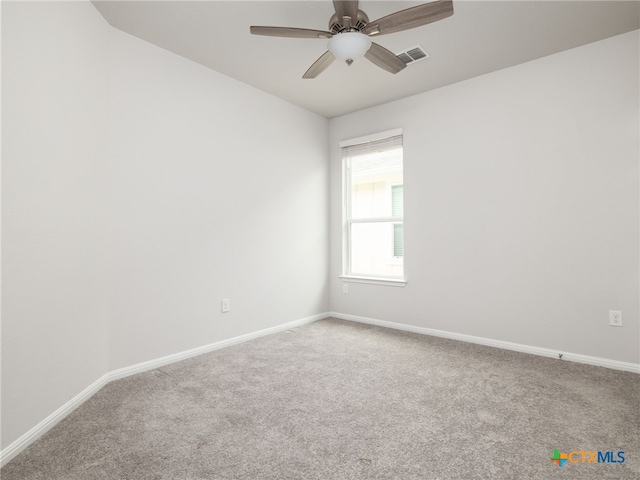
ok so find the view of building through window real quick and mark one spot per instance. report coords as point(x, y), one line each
point(375, 227)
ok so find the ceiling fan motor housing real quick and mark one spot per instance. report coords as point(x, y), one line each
point(337, 25)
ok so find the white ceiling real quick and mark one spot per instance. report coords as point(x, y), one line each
point(480, 37)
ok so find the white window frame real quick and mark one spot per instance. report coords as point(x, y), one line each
point(347, 221)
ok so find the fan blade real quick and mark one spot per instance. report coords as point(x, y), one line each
point(290, 32)
point(348, 8)
point(384, 58)
point(411, 18)
point(320, 65)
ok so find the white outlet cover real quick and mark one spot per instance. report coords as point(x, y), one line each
point(226, 305)
point(615, 318)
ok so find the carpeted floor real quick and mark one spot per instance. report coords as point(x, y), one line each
point(340, 400)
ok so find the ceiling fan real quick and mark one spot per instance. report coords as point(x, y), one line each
point(350, 31)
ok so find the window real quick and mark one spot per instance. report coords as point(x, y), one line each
point(374, 209)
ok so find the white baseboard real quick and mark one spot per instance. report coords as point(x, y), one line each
point(516, 347)
point(45, 425)
point(176, 357)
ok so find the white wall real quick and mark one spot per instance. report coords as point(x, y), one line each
point(139, 189)
point(521, 204)
point(217, 191)
point(54, 288)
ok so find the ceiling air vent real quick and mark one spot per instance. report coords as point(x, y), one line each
point(413, 55)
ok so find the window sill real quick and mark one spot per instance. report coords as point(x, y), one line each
point(391, 282)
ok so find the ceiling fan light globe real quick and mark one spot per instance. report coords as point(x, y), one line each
point(349, 45)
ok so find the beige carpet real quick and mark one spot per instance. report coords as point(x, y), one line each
point(340, 400)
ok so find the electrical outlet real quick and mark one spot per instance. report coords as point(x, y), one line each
point(615, 318)
point(226, 305)
point(345, 288)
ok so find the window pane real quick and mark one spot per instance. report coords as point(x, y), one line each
point(372, 250)
point(373, 177)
